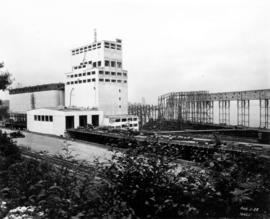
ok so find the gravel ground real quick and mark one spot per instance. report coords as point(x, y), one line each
point(54, 145)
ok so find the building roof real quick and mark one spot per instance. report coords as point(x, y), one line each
point(120, 116)
point(38, 88)
point(66, 109)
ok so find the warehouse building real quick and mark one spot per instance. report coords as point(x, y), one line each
point(32, 97)
point(56, 121)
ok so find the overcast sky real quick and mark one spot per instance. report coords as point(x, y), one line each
point(168, 45)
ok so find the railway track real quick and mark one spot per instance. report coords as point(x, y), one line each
point(73, 166)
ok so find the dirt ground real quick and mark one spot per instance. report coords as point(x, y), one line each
point(54, 145)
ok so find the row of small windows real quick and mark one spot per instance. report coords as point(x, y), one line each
point(112, 73)
point(82, 74)
point(112, 80)
point(86, 48)
point(93, 80)
point(81, 81)
point(108, 63)
point(126, 119)
point(100, 72)
point(107, 45)
point(43, 118)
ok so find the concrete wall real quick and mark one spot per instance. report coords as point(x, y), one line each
point(20, 103)
point(109, 101)
point(81, 95)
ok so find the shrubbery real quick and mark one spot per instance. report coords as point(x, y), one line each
point(137, 184)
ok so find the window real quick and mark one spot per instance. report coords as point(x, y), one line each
point(101, 79)
point(67, 82)
point(76, 82)
point(119, 106)
point(94, 64)
point(85, 63)
point(71, 76)
point(134, 119)
point(35, 117)
point(88, 80)
point(107, 45)
point(101, 72)
point(42, 118)
point(107, 80)
point(124, 120)
point(46, 118)
point(113, 73)
point(93, 72)
point(129, 119)
point(88, 73)
point(99, 63)
point(135, 125)
point(107, 72)
point(107, 63)
point(117, 120)
point(80, 67)
point(90, 62)
point(84, 81)
point(112, 63)
point(119, 81)
point(119, 65)
point(113, 80)
point(50, 118)
point(112, 46)
point(119, 90)
point(80, 75)
point(84, 66)
point(72, 82)
point(39, 118)
point(119, 98)
point(75, 67)
point(84, 74)
point(93, 79)
point(124, 74)
point(75, 75)
point(119, 73)
point(125, 81)
point(118, 47)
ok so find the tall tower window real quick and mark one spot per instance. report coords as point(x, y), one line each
point(107, 63)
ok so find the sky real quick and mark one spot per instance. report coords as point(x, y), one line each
point(172, 45)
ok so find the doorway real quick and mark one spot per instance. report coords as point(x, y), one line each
point(95, 120)
point(69, 122)
point(83, 121)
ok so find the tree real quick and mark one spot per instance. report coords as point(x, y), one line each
point(5, 78)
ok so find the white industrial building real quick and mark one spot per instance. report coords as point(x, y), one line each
point(97, 78)
point(32, 97)
point(95, 92)
point(56, 121)
point(122, 121)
